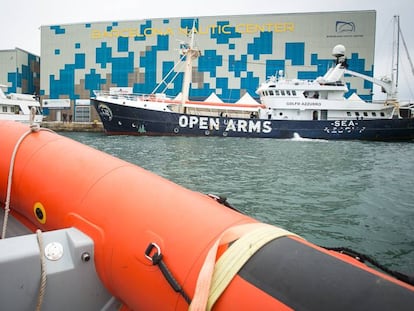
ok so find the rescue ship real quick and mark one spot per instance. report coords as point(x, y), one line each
point(288, 107)
point(83, 230)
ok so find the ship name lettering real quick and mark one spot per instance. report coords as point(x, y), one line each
point(203, 123)
point(344, 123)
point(207, 123)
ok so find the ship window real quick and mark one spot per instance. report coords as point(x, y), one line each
point(272, 93)
point(288, 93)
point(280, 113)
point(374, 114)
point(282, 92)
point(357, 114)
point(294, 93)
point(382, 114)
point(277, 93)
point(4, 108)
point(365, 114)
point(348, 113)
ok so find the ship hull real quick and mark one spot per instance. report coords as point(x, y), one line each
point(125, 120)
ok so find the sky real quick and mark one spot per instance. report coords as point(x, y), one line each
point(20, 21)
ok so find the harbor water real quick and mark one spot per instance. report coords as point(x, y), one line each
point(351, 194)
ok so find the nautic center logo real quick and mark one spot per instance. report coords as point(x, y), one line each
point(342, 26)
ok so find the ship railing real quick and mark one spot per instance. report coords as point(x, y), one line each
point(160, 97)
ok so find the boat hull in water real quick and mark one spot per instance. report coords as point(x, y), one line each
point(127, 120)
point(129, 212)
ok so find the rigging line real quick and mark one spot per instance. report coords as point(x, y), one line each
point(406, 51)
point(167, 85)
point(168, 74)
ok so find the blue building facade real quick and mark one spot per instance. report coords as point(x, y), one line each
point(237, 53)
point(20, 71)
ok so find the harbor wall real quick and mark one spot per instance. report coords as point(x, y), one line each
point(73, 126)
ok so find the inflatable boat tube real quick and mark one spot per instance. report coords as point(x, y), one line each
point(159, 246)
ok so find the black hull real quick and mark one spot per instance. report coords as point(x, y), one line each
point(125, 120)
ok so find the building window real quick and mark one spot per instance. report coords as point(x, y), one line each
point(83, 114)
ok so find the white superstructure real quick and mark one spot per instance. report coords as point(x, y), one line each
point(16, 107)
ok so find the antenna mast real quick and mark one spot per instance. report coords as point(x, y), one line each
point(395, 56)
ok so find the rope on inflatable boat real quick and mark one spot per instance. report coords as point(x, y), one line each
point(10, 179)
point(43, 274)
point(364, 258)
point(156, 258)
point(34, 127)
point(214, 277)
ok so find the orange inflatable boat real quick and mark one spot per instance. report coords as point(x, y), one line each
point(159, 246)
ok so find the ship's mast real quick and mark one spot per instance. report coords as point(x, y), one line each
point(191, 53)
point(395, 56)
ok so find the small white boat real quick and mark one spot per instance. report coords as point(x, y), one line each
point(17, 107)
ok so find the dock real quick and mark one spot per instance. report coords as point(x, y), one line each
point(59, 126)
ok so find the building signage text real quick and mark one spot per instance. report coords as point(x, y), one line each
point(213, 29)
